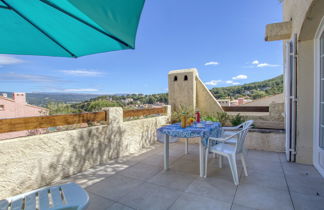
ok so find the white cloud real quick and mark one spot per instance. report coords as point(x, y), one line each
point(229, 82)
point(7, 60)
point(241, 76)
point(255, 62)
point(211, 63)
point(81, 90)
point(258, 64)
point(236, 83)
point(213, 82)
point(82, 73)
point(13, 77)
point(261, 65)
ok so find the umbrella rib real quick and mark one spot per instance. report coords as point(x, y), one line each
point(84, 22)
point(38, 28)
point(3, 7)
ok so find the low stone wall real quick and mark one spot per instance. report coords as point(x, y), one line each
point(259, 139)
point(266, 140)
point(28, 163)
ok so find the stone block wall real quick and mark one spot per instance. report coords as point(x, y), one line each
point(31, 162)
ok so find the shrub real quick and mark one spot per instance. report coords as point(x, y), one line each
point(223, 118)
point(237, 120)
point(176, 115)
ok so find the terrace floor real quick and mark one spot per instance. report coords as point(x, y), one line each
point(139, 182)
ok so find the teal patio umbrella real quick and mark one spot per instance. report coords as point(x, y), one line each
point(68, 28)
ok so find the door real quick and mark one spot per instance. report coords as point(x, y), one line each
point(318, 145)
point(290, 99)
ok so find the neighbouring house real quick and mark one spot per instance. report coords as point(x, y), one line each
point(224, 102)
point(266, 101)
point(18, 107)
point(302, 32)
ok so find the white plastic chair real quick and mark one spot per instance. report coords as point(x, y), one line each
point(228, 131)
point(68, 196)
point(222, 148)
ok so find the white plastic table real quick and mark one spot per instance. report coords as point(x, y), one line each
point(175, 130)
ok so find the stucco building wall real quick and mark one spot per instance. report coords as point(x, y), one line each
point(305, 16)
point(31, 162)
point(190, 93)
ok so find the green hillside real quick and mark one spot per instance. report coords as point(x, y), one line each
point(253, 90)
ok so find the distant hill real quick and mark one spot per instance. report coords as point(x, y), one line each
point(84, 102)
point(253, 90)
point(42, 99)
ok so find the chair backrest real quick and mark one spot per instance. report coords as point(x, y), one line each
point(247, 124)
point(242, 136)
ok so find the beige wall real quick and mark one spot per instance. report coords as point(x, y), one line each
point(190, 94)
point(182, 93)
point(31, 162)
point(305, 16)
point(206, 102)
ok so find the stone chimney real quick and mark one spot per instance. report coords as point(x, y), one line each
point(19, 98)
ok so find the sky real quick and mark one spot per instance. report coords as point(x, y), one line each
point(223, 39)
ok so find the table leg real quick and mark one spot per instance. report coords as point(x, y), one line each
point(186, 146)
point(166, 152)
point(201, 158)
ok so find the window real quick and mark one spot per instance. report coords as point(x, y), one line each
point(1, 107)
point(175, 78)
point(185, 78)
point(321, 128)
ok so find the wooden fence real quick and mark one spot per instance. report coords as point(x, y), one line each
point(31, 123)
point(246, 108)
point(143, 112)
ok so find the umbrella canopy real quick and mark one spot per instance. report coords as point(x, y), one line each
point(68, 28)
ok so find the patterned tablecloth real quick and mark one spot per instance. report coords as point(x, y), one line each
point(175, 131)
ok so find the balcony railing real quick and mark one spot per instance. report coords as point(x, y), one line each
point(246, 108)
point(40, 122)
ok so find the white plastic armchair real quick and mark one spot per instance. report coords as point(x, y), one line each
point(229, 131)
point(222, 148)
point(68, 196)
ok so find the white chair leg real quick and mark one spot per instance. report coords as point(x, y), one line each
point(244, 164)
point(220, 162)
point(186, 146)
point(232, 162)
point(206, 162)
point(214, 155)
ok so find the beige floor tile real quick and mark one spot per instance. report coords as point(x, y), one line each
point(216, 187)
point(190, 201)
point(119, 206)
point(263, 155)
point(141, 171)
point(114, 187)
point(186, 166)
point(307, 202)
point(265, 179)
point(173, 179)
point(259, 197)
point(150, 196)
point(299, 169)
point(240, 207)
point(98, 202)
point(306, 184)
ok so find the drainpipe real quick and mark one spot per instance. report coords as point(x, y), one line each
point(294, 101)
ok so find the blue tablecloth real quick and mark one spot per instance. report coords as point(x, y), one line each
point(175, 131)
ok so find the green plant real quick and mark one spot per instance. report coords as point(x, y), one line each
point(222, 117)
point(176, 115)
point(209, 118)
point(237, 120)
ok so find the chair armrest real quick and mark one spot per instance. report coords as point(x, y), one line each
point(222, 139)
